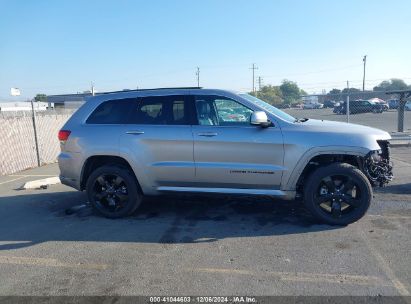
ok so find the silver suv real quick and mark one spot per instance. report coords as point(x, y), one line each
point(120, 146)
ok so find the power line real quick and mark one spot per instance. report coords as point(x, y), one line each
point(315, 72)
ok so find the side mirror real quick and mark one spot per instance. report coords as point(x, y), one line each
point(259, 118)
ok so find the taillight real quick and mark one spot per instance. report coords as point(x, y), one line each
point(64, 135)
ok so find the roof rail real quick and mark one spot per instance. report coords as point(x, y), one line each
point(153, 89)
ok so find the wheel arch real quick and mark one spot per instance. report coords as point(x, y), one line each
point(320, 156)
point(96, 161)
point(322, 160)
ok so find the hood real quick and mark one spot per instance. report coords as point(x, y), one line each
point(317, 133)
point(344, 128)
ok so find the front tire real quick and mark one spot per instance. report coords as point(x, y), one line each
point(113, 191)
point(338, 194)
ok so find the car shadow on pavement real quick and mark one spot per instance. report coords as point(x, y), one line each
point(396, 189)
point(41, 217)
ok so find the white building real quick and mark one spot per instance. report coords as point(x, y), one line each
point(23, 106)
point(310, 99)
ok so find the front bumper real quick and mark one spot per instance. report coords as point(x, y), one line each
point(377, 165)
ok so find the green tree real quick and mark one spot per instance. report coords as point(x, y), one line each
point(290, 91)
point(270, 94)
point(393, 84)
point(334, 92)
point(350, 90)
point(41, 97)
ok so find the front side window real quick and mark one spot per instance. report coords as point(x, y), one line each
point(267, 107)
point(221, 111)
point(112, 112)
point(160, 110)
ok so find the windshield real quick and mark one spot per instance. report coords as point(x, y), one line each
point(267, 107)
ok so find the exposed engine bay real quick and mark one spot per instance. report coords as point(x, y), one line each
point(377, 165)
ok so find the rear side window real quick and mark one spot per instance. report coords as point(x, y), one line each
point(161, 110)
point(112, 112)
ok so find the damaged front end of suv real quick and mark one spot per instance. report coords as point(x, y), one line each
point(377, 165)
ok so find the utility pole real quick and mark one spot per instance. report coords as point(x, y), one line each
point(36, 142)
point(363, 78)
point(348, 102)
point(198, 77)
point(254, 67)
point(259, 83)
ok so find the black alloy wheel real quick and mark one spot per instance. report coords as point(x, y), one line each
point(110, 192)
point(113, 191)
point(338, 194)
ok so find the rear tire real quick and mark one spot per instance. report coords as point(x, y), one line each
point(338, 194)
point(113, 191)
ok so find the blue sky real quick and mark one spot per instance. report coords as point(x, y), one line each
point(62, 46)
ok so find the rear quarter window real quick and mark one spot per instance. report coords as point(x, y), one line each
point(112, 112)
point(161, 110)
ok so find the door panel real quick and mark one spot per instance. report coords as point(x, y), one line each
point(165, 153)
point(238, 157)
point(160, 140)
point(229, 152)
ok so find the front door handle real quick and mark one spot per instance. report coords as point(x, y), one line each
point(135, 132)
point(207, 134)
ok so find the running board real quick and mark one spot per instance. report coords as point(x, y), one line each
point(223, 190)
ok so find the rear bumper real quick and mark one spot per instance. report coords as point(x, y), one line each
point(70, 182)
point(70, 165)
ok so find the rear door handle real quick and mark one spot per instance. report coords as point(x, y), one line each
point(135, 132)
point(207, 134)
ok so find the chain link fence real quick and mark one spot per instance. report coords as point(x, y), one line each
point(374, 109)
point(26, 142)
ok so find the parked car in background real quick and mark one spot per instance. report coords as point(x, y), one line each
point(329, 103)
point(297, 105)
point(313, 105)
point(408, 106)
point(383, 103)
point(393, 103)
point(359, 106)
point(337, 109)
point(284, 106)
